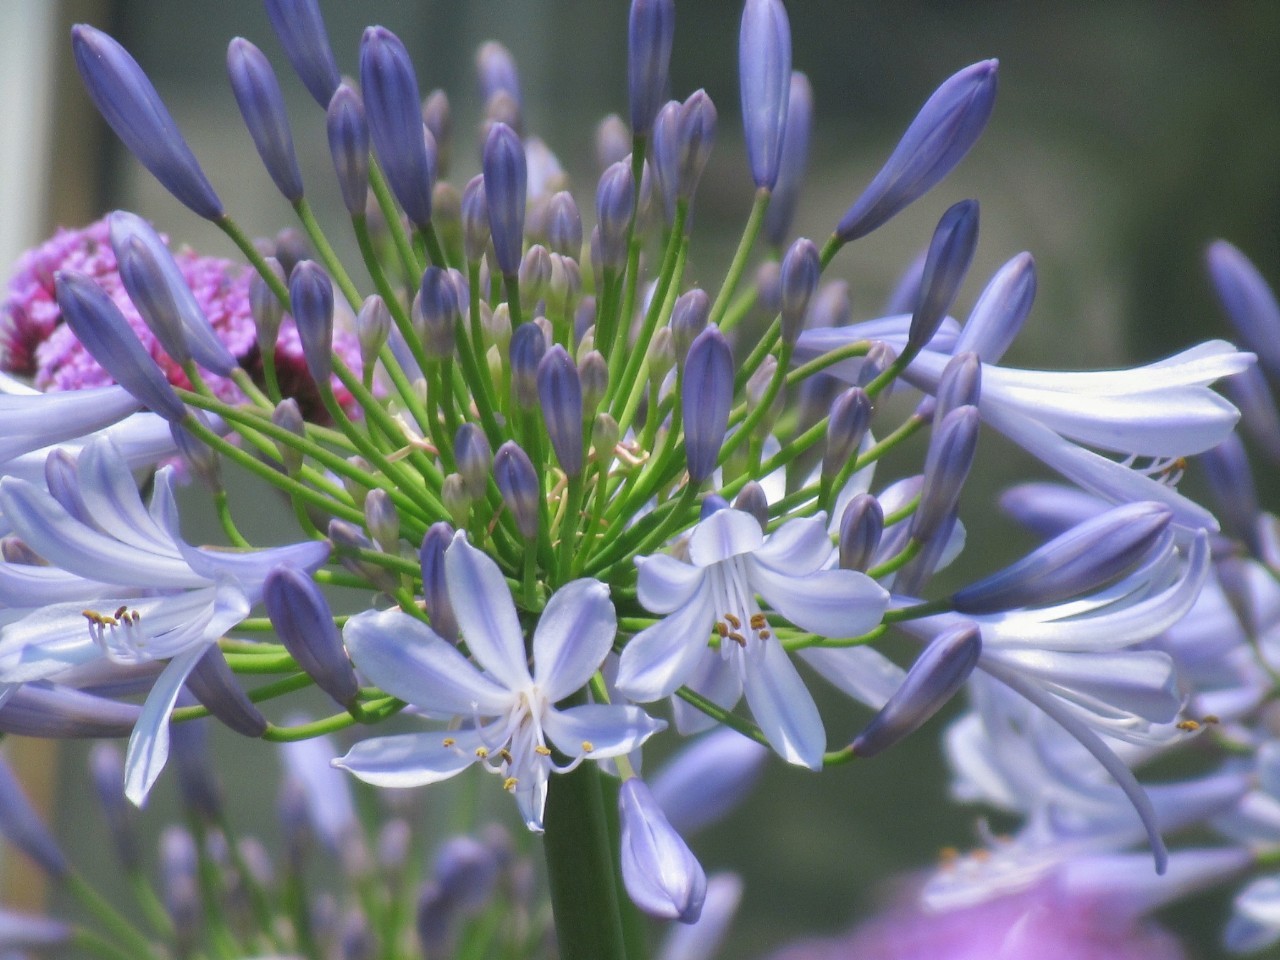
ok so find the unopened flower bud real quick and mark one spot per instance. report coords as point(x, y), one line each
point(291, 248)
point(265, 306)
point(527, 347)
point(435, 593)
point(22, 826)
point(300, 27)
point(847, 424)
point(311, 298)
point(757, 389)
point(861, 526)
point(474, 456)
point(615, 196)
point(999, 312)
point(946, 467)
point(373, 327)
point(304, 623)
point(950, 253)
point(505, 177)
point(348, 540)
point(381, 520)
point(769, 287)
point(438, 118)
point(456, 498)
point(764, 77)
point(560, 396)
point(534, 275)
point(496, 72)
point(604, 436)
point(707, 396)
point(393, 109)
point(593, 371)
point(796, 283)
point(348, 132)
point(257, 93)
point(215, 686)
point(436, 308)
point(106, 772)
point(688, 319)
point(662, 354)
point(651, 29)
point(518, 482)
point(179, 886)
point(660, 872)
point(751, 499)
point(475, 219)
point(932, 680)
point(960, 384)
point(795, 159)
point(287, 416)
point(612, 141)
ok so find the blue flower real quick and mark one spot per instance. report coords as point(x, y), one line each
point(504, 715)
point(730, 562)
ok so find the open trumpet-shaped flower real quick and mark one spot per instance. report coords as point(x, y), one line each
point(504, 715)
point(730, 562)
point(122, 585)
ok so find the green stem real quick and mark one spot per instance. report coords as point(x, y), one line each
point(739, 263)
point(120, 928)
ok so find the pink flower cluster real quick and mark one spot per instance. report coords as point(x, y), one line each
point(35, 343)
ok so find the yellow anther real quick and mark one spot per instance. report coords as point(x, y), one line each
point(1188, 725)
point(482, 752)
point(1210, 718)
point(542, 751)
point(587, 746)
point(120, 611)
point(738, 638)
point(505, 754)
point(765, 634)
point(722, 628)
point(948, 855)
point(509, 784)
point(758, 621)
point(448, 742)
point(733, 621)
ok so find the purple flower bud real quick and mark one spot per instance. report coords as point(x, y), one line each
point(662, 355)
point(696, 136)
point(846, 426)
point(22, 826)
point(801, 269)
point(53, 711)
point(560, 393)
point(98, 323)
point(496, 72)
point(712, 503)
point(1000, 311)
point(382, 520)
point(752, 499)
point(663, 156)
point(861, 526)
point(707, 396)
point(932, 680)
point(302, 618)
point(1249, 392)
point(950, 252)
point(688, 320)
point(612, 141)
point(878, 359)
point(436, 308)
point(163, 298)
point(564, 225)
point(130, 105)
point(937, 139)
point(435, 593)
point(1248, 300)
point(652, 28)
point(769, 286)
point(615, 196)
point(526, 350)
point(265, 306)
point(347, 539)
point(106, 772)
point(705, 780)
point(1085, 558)
point(288, 416)
point(593, 371)
point(518, 482)
point(261, 103)
point(946, 466)
point(321, 790)
point(467, 872)
point(373, 327)
point(505, 180)
point(291, 249)
point(301, 30)
point(434, 919)
point(215, 686)
point(534, 275)
point(475, 219)
point(661, 874)
point(439, 120)
point(179, 886)
point(349, 146)
point(393, 109)
point(906, 292)
point(584, 320)
point(474, 457)
point(197, 784)
point(960, 384)
point(795, 160)
point(311, 300)
point(764, 75)
point(355, 940)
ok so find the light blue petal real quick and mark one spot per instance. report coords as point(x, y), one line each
point(31, 653)
point(39, 420)
point(665, 583)
point(1138, 682)
point(782, 706)
point(864, 673)
point(485, 613)
point(715, 678)
point(830, 603)
point(414, 759)
point(798, 547)
point(25, 584)
point(724, 534)
point(404, 657)
point(149, 745)
point(659, 658)
point(111, 498)
point(610, 729)
point(574, 634)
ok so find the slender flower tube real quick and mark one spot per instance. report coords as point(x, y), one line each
point(257, 93)
point(509, 712)
point(651, 30)
point(933, 679)
point(560, 393)
point(950, 253)
point(393, 109)
point(764, 76)
point(795, 161)
point(156, 286)
point(1080, 561)
point(707, 396)
point(311, 297)
point(130, 105)
point(301, 616)
point(505, 182)
point(102, 328)
point(941, 134)
point(300, 28)
point(661, 874)
point(348, 132)
point(730, 562)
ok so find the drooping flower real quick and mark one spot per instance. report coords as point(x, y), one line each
point(504, 716)
point(124, 586)
point(730, 562)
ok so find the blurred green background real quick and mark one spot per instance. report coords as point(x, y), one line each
point(1126, 135)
